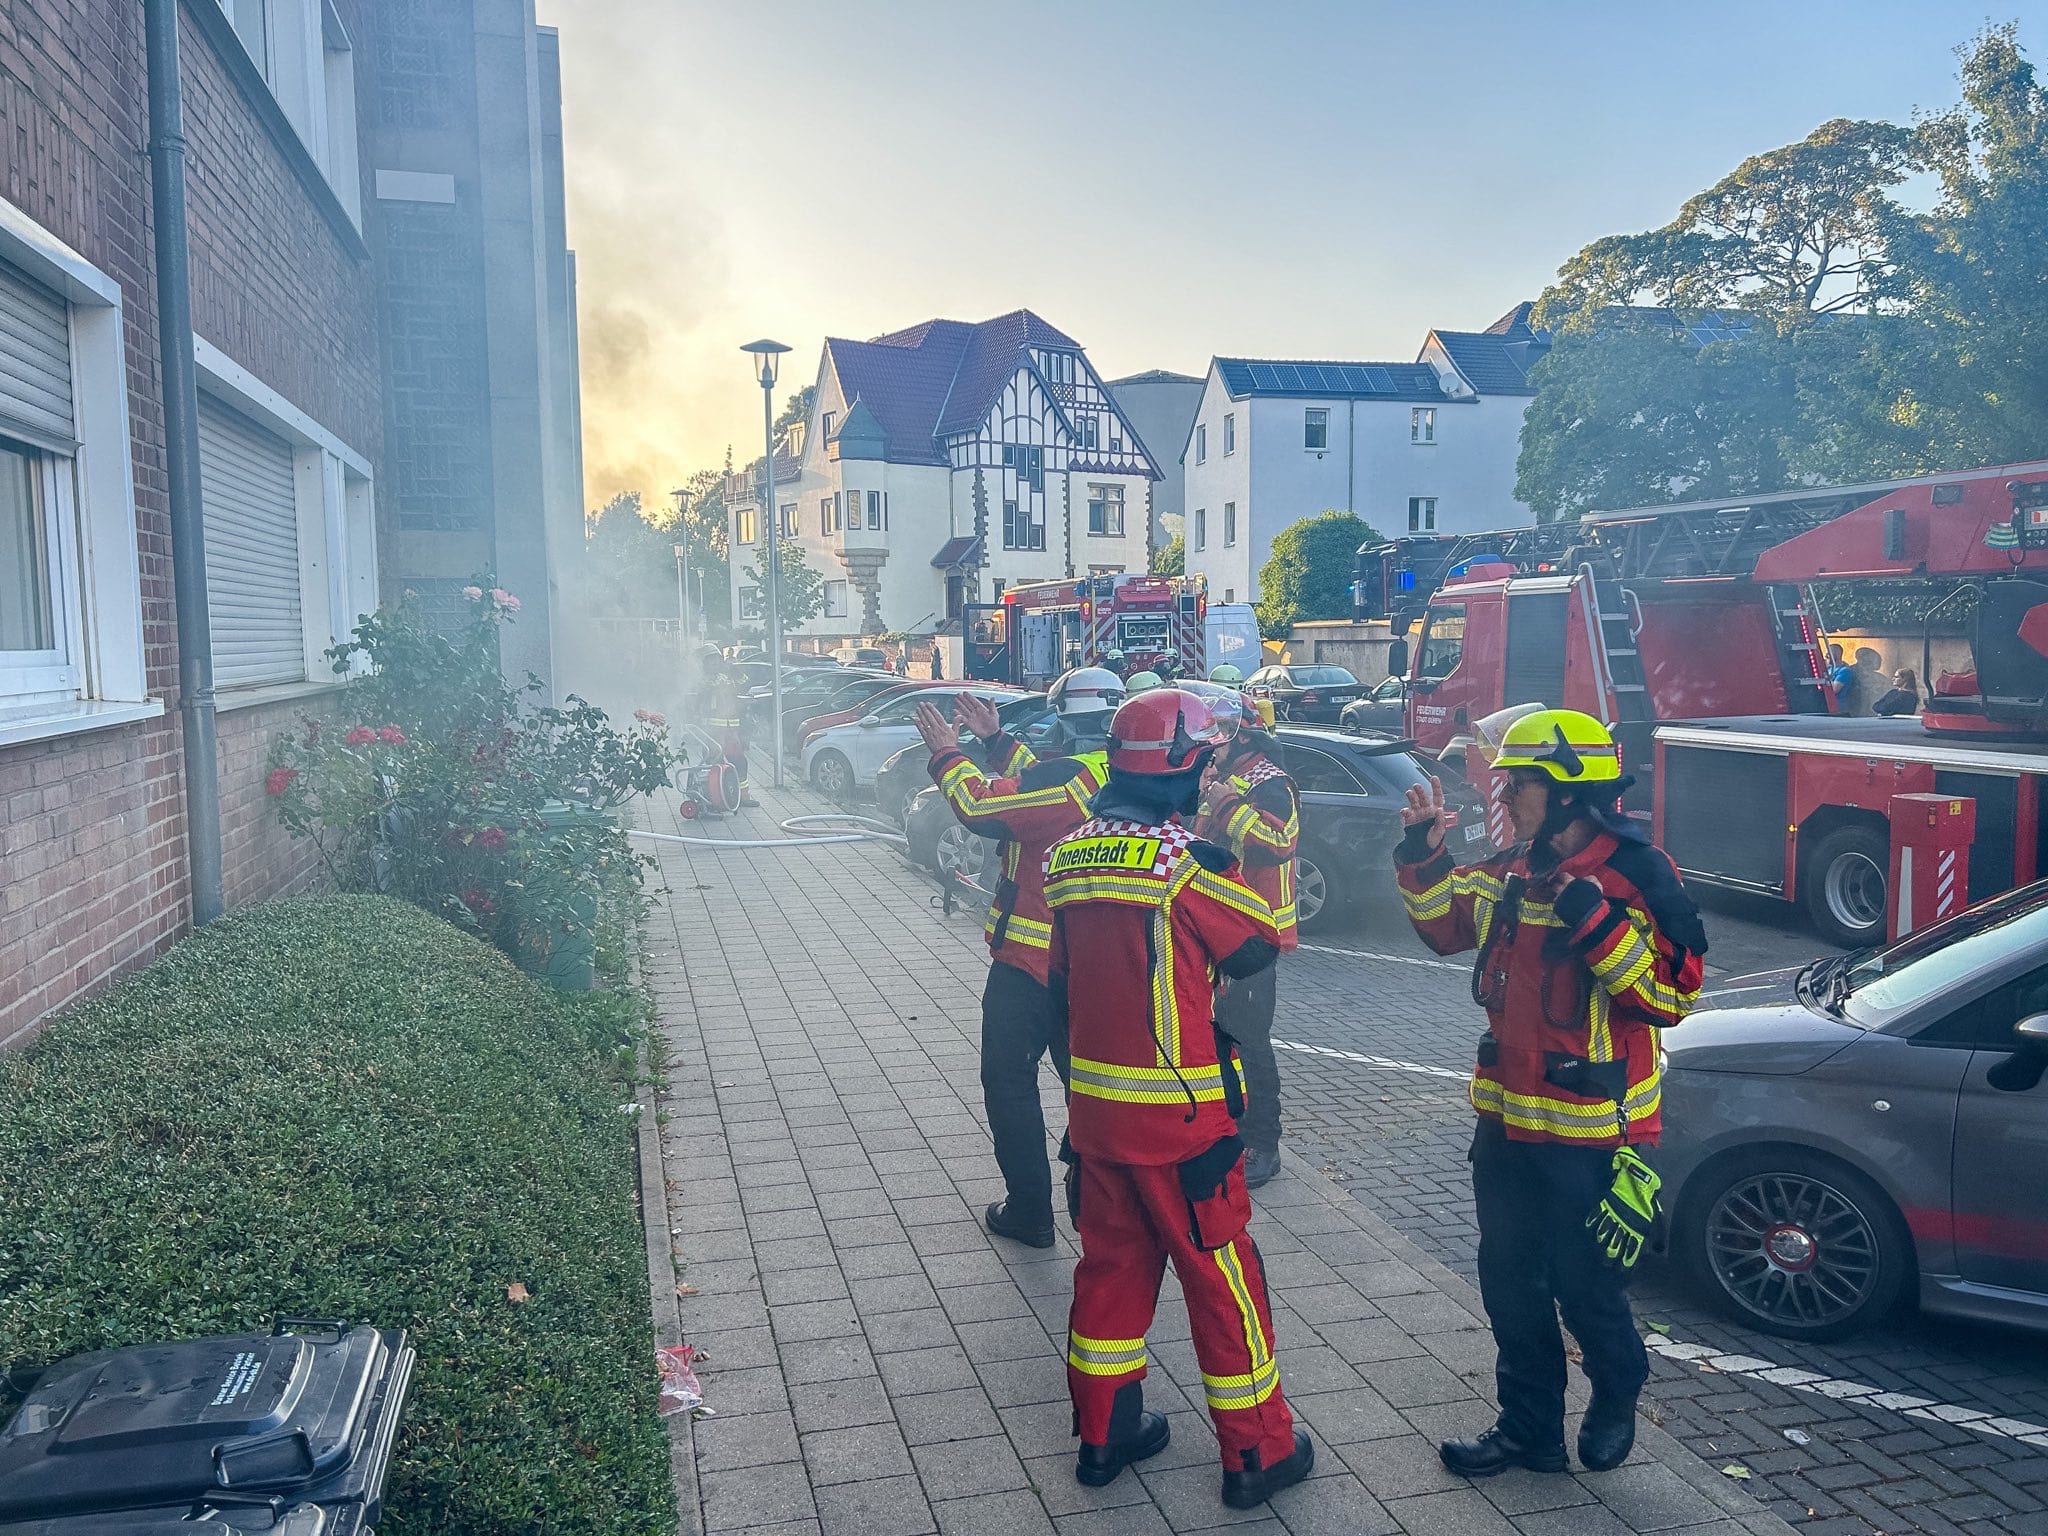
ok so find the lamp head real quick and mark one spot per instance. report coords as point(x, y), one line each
point(767, 360)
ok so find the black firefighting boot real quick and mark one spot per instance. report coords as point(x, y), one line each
point(1134, 1434)
point(1608, 1432)
point(1496, 1450)
point(1256, 1484)
point(1031, 1233)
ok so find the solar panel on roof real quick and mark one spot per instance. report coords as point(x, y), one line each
point(1264, 376)
point(1379, 381)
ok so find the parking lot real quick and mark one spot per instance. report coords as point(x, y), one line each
point(1379, 1034)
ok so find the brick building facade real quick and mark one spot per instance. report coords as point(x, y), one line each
point(287, 257)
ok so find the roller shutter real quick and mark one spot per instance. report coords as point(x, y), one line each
point(252, 550)
point(35, 364)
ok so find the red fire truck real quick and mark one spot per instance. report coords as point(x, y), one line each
point(1689, 631)
point(1041, 628)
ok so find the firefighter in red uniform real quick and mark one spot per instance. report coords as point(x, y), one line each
point(1145, 915)
point(1588, 945)
point(1249, 806)
point(1029, 804)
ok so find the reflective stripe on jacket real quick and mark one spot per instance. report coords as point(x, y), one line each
point(1253, 811)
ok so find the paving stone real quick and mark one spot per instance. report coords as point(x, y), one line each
point(994, 1514)
point(798, 1321)
point(1343, 1418)
point(1399, 1467)
point(747, 1497)
point(982, 1303)
point(1335, 1505)
point(1132, 1520)
point(756, 1439)
point(1462, 1512)
point(782, 1287)
point(953, 1469)
point(1410, 1383)
point(834, 1359)
point(752, 1389)
point(1652, 1498)
point(1052, 1478)
point(857, 1453)
point(821, 1405)
point(891, 1332)
point(958, 1413)
point(1191, 1498)
point(886, 1506)
point(880, 1261)
point(939, 1369)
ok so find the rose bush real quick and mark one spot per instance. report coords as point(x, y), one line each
point(436, 779)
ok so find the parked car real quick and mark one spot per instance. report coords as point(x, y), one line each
point(839, 759)
point(1872, 1130)
point(804, 693)
point(862, 656)
point(1384, 708)
point(850, 704)
point(1352, 789)
point(1305, 694)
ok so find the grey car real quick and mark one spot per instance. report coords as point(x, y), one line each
point(1874, 1127)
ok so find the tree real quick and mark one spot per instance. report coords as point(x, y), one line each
point(1171, 558)
point(797, 408)
point(1309, 573)
point(801, 589)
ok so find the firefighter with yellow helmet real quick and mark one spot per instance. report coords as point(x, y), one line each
point(1587, 946)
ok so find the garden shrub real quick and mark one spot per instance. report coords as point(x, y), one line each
point(343, 1108)
point(434, 778)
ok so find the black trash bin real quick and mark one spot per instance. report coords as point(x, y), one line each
point(289, 1432)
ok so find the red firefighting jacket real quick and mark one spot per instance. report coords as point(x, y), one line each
point(1575, 987)
point(1145, 917)
point(1030, 805)
point(1252, 810)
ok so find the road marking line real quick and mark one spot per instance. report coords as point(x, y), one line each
point(1366, 954)
point(1381, 1063)
point(1847, 1391)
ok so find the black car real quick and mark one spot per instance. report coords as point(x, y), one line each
point(904, 791)
point(1383, 709)
point(1352, 790)
point(810, 694)
point(1305, 693)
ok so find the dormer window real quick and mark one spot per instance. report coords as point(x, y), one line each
point(796, 440)
point(825, 425)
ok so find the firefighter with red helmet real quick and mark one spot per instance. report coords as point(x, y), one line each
point(1249, 806)
point(1028, 803)
point(1145, 915)
point(1587, 945)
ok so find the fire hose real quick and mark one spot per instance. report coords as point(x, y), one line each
point(852, 829)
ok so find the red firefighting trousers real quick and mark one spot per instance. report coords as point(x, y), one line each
point(1132, 1219)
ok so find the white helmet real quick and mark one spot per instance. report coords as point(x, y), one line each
point(1084, 699)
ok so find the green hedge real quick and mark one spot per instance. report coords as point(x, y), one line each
point(345, 1108)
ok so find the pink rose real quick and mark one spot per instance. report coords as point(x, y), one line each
point(391, 735)
point(491, 837)
point(279, 780)
point(504, 599)
point(474, 594)
point(360, 736)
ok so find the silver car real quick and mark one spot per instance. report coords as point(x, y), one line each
point(1874, 1126)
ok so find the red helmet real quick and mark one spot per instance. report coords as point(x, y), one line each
point(1162, 731)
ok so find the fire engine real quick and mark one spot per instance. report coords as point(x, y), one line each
point(1690, 630)
point(1041, 628)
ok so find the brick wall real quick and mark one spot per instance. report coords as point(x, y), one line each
point(92, 866)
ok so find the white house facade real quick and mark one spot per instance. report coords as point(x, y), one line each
point(941, 464)
point(1421, 447)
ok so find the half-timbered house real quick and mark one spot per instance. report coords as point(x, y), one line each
point(943, 462)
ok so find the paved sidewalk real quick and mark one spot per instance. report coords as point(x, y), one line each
point(878, 1364)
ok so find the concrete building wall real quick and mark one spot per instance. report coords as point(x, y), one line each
point(1161, 408)
point(1214, 479)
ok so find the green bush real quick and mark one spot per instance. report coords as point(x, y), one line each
point(344, 1108)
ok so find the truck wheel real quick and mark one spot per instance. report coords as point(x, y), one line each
point(1847, 886)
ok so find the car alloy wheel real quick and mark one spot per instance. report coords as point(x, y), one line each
point(1793, 1251)
point(1311, 892)
point(833, 774)
point(961, 853)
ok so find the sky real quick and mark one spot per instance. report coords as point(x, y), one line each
point(1164, 180)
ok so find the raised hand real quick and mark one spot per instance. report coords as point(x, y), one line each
point(936, 730)
point(1427, 808)
point(977, 714)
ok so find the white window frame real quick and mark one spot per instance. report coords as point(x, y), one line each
point(1107, 497)
point(1230, 525)
point(1201, 527)
point(1422, 425)
point(334, 495)
point(102, 634)
point(750, 605)
point(1201, 442)
point(1229, 433)
point(835, 600)
point(786, 519)
point(51, 674)
point(1312, 417)
point(1422, 514)
point(875, 510)
point(307, 60)
point(743, 526)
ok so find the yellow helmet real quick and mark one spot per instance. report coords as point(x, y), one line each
point(1571, 747)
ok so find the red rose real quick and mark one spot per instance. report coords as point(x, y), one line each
point(478, 902)
point(391, 735)
point(360, 736)
point(280, 780)
point(491, 837)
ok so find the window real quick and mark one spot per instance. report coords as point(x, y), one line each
point(1315, 429)
point(1009, 455)
point(1230, 594)
point(1012, 533)
point(1443, 642)
point(824, 514)
point(1422, 424)
point(1106, 510)
point(1201, 444)
point(1229, 524)
point(1422, 514)
point(825, 424)
point(794, 439)
point(835, 599)
point(743, 526)
point(1116, 443)
point(303, 52)
point(874, 509)
point(1089, 428)
point(788, 520)
point(1320, 772)
point(750, 605)
point(1229, 433)
point(1201, 528)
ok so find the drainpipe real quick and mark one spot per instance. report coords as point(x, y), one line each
point(181, 458)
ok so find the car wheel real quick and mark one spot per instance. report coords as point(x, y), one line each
point(960, 852)
point(832, 773)
point(1796, 1244)
point(1846, 885)
point(1316, 896)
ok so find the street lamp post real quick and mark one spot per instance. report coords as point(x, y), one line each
point(682, 568)
point(767, 355)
